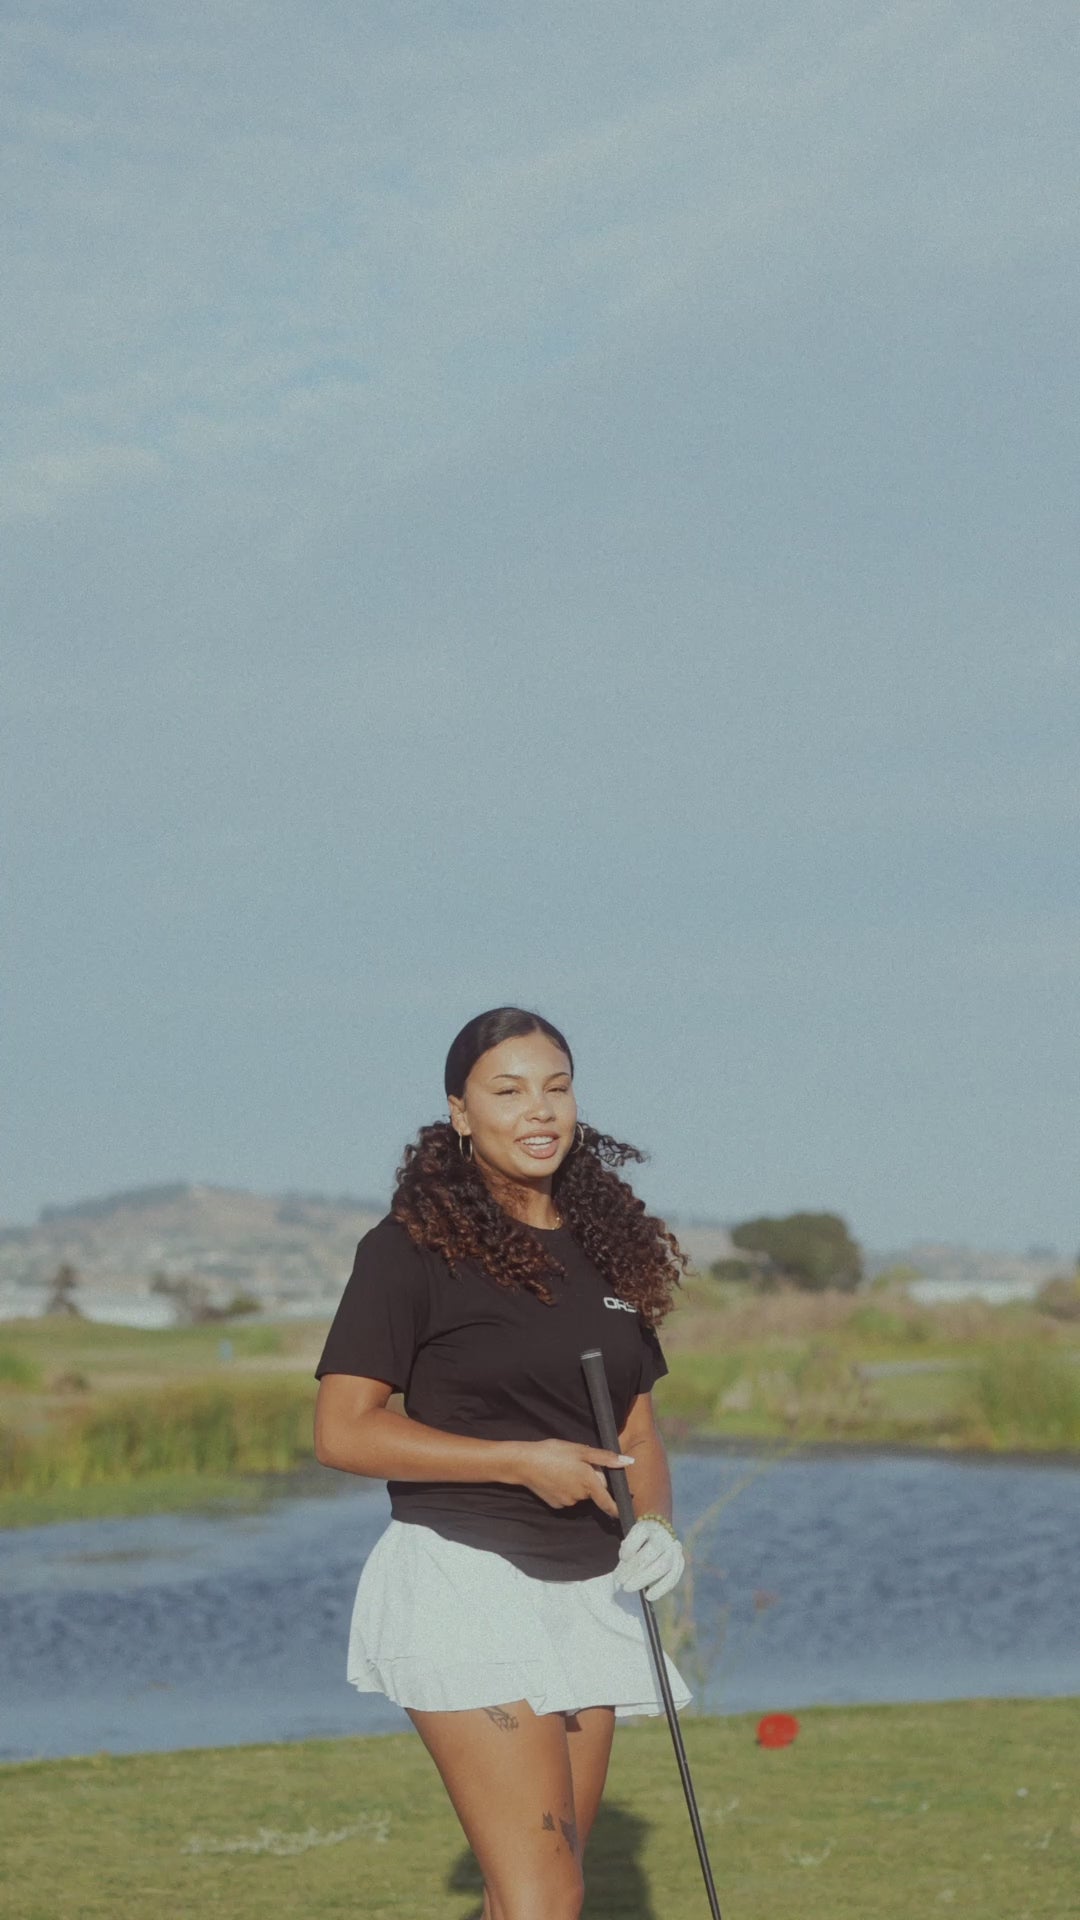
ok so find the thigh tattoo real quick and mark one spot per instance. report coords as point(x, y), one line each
point(500, 1718)
point(569, 1830)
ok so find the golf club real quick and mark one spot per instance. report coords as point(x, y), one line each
point(596, 1380)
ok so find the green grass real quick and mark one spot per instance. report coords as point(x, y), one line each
point(875, 1813)
point(57, 1343)
point(891, 1328)
point(132, 1499)
point(98, 1419)
point(218, 1427)
point(1014, 1387)
point(1028, 1396)
point(18, 1369)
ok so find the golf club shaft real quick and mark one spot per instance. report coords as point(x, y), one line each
point(592, 1362)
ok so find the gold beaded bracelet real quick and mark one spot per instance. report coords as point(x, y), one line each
point(663, 1522)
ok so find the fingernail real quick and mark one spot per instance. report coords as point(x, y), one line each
point(626, 1459)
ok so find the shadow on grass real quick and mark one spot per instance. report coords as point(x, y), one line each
point(615, 1882)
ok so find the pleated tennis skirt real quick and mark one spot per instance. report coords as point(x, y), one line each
point(438, 1625)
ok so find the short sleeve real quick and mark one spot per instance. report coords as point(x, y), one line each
point(382, 1314)
point(653, 1364)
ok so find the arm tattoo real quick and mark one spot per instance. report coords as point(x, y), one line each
point(500, 1717)
point(548, 1822)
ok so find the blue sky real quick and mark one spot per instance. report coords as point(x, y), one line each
point(568, 506)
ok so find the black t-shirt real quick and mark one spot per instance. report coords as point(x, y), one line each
point(495, 1363)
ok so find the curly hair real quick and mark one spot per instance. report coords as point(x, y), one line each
point(445, 1205)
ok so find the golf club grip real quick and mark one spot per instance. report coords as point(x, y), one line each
point(592, 1362)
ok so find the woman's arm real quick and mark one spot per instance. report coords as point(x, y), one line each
point(649, 1477)
point(356, 1432)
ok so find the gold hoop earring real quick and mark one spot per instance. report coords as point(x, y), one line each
point(461, 1139)
point(580, 1140)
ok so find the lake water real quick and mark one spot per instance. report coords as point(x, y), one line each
point(825, 1580)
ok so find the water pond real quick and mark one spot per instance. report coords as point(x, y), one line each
point(823, 1579)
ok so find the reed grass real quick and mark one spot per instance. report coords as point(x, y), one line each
point(235, 1493)
point(995, 1394)
point(90, 1406)
point(886, 1321)
point(1028, 1396)
point(236, 1426)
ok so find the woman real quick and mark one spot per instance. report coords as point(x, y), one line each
point(498, 1607)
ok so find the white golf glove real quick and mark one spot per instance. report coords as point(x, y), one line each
point(649, 1557)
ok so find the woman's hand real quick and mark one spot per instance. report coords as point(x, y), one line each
point(563, 1472)
point(649, 1557)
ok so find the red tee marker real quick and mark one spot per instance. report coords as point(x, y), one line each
point(777, 1730)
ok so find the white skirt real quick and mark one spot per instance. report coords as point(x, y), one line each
point(437, 1625)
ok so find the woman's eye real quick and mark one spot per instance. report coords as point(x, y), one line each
point(501, 1091)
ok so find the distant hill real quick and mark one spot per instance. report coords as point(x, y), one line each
point(293, 1251)
point(290, 1243)
point(147, 1199)
point(286, 1249)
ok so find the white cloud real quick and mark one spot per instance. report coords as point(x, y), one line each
point(196, 239)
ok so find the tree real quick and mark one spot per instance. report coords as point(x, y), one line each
point(193, 1304)
point(61, 1297)
point(741, 1272)
point(1060, 1296)
point(808, 1250)
point(190, 1298)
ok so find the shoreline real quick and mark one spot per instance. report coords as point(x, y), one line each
point(748, 1717)
point(763, 1445)
point(248, 1493)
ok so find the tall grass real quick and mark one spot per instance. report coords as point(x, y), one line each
point(18, 1369)
point(1028, 1396)
point(886, 1320)
point(895, 1326)
point(694, 1387)
point(261, 1426)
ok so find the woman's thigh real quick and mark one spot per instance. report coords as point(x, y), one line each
point(589, 1736)
point(507, 1772)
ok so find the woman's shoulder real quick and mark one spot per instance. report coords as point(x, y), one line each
point(389, 1235)
point(389, 1244)
point(386, 1231)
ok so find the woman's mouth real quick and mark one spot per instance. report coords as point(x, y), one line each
point(540, 1146)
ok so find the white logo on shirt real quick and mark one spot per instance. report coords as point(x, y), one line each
point(610, 1301)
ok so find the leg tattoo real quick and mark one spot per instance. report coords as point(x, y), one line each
point(500, 1718)
point(569, 1829)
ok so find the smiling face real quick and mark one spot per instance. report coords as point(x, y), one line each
point(519, 1111)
